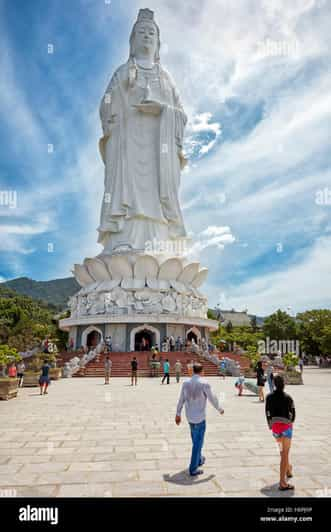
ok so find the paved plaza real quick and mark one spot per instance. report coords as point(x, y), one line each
point(88, 439)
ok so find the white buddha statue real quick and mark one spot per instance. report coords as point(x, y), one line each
point(143, 126)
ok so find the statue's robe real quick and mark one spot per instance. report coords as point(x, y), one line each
point(143, 160)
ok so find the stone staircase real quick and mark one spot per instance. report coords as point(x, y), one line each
point(121, 366)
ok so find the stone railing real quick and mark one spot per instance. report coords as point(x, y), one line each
point(75, 364)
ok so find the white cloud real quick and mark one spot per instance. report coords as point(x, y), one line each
point(305, 285)
point(212, 237)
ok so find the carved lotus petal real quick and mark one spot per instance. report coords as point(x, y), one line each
point(170, 270)
point(120, 268)
point(200, 277)
point(146, 267)
point(189, 272)
point(82, 275)
point(106, 260)
point(97, 269)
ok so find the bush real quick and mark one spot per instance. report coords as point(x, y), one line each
point(253, 355)
point(37, 360)
point(290, 360)
point(8, 355)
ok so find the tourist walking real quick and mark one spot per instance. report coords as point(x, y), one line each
point(166, 371)
point(223, 368)
point(44, 379)
point(178, 370)
point(134, 371)
point(239, 384)
point(20, 373)
point(280, 414)
point(260, 380)
point(301, 365)
point(194, 395)
point(270, 377)
point(108, 365)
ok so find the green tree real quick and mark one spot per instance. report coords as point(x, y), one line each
point(254, 323)
point(280, 326)
point(314, 331)
point(326, 340)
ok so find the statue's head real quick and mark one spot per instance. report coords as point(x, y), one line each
point(145, 36)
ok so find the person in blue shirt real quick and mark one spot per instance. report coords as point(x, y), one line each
point(44, 379)
point(222, 368)
point(166, 371)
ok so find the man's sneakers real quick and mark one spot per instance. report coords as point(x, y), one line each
point(196, 473)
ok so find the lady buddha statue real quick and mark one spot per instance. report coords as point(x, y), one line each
point(143, 127)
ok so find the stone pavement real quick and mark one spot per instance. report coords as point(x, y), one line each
point(87, 439)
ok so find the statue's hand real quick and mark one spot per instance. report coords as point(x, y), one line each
point(151, 107)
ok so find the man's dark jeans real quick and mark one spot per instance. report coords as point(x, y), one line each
point(197, 434)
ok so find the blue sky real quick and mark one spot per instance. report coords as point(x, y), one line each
point(255, 82)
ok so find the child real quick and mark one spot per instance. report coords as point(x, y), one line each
point(222, 368)
point(44, 380)
point(239, 384)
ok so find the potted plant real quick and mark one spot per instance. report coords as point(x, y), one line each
point(32, 373)
point(8, 385)
point(55, 373)
point(253, 356)
point(291, 375)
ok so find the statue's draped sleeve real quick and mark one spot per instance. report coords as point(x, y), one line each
point(106, 115)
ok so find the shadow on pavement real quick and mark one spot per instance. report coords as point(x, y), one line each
point(273, 491)
point(183, 478)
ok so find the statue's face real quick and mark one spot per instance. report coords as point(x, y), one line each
point(146, 38)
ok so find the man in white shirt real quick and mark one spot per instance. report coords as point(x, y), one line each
point(194, 394)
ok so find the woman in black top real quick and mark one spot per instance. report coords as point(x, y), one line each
point(280, 414)
point(260, 379)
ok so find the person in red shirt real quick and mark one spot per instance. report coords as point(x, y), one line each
point(12, 371)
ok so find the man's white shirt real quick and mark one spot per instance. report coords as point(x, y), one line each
point(194, 395)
